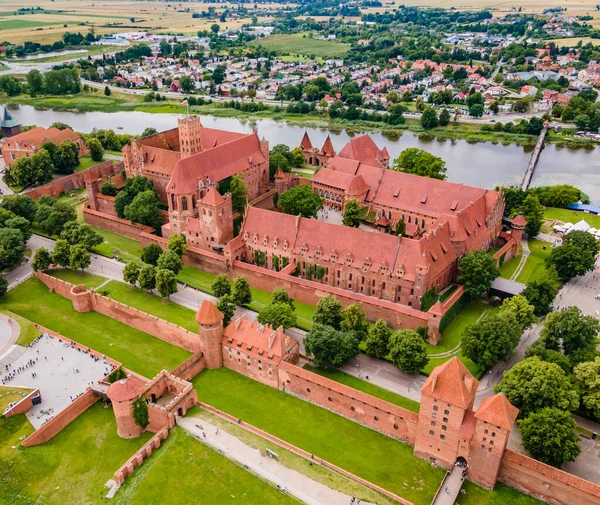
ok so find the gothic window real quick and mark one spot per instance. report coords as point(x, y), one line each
point(173, 206)
point(184, 204)
point(193, 201)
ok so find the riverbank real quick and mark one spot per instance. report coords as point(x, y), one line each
point(120, 102)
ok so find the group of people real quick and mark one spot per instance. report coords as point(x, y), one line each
point(11, 373)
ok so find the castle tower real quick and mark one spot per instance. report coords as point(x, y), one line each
point(446, 402)
point(494, 420)
point(210, 329)
point(91, 186)
point(190, 141)
point(216, 218)
point(264, 148)
point(517, 227)
point(122, 394)
point(9, 125)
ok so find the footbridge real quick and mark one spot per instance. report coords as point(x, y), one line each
point(535, 156)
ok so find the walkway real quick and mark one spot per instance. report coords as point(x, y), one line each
point(295, 483)
point(535, 156)
point(9, 333)
point(524, 255)
point(450, 488)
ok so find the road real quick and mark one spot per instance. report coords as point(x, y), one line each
point(113, 269)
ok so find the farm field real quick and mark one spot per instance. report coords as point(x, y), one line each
point(303, 45)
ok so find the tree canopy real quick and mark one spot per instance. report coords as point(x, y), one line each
point(420, 162)
point(331, 347)
point(378, 339)
point(329, 312)
point(351, 215)
point(300, 201)
point(277, 314)
point(408, 351)
point(520, 307)
point(477, 272)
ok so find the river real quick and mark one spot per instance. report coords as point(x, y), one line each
point(482, 164)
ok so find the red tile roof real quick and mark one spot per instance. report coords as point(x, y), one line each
point(306, 144)
point(452, 383)
point(327, 148)
point(208, 313)
point(38, 135)
point(519, 221)
point(363, 149)
point(125, 390)
point(212, 197)
point(499, 411)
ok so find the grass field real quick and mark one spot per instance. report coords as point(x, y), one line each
point(117, 245)
point(535, 266)
point(70, 468)
point(9, 394)
point(139, 351)
point(365, 387)
point(301, 44)
point(184, 467)
point(508, 269)
point(78, 277)
point(322, 433)
point(571, 216)
point(15, 24)
point(27, 330)
point(86, 162)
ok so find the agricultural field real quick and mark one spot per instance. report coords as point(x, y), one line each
point(301, 44)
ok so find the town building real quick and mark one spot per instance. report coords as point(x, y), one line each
point(9, 126)
point(20, 145)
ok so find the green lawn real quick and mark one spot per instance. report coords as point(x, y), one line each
point(535, 266)
point(12, 24)
point(322, 433)
point(184, 470)
point(78, 277)
point(70, 468)
point(501, 495)
point(571, 216)
point(86, 162)
point(137, 350)
point(508, 269)
point(117, 245)
point(301, 44)
point(365, 387)
point(152, 304)
point(11, 394)
point(28, 332)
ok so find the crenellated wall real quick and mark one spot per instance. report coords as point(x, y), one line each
point(363, 408)
point(138, 458)
point(190, 367)
point(114, 224)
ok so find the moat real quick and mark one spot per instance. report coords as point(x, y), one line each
point(482, 164)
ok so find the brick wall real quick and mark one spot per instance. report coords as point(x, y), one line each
point(545, 482)
point(75, 180)
point(106, 204)
point(24, 405)
point(114, 224)
point(507, 250)
point(138, 458)
point(399, 316)
point(365, 409)
point(190, 367)
point(62, 419)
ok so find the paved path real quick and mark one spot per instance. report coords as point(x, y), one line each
point(295, 483)
point(524, 255)
point(9, 333)
point(450, 488)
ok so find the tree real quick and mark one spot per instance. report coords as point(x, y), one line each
point(21, 171)
point(300, 201)
point(12, 247)
point(10, 85)
point(297, 157)
point(151, 253)
point(147, 278)
point(571, 332)
point(3, 286)
point(330, 347)
point(477, 272)
point(76, 233)
point(238, 191)
point(329, 312)
point(490, 339)
point(583, 240)
point(42, 167)
point(444, 118)
point(80, 257)
point(280, 296)
point(400, 228)
point(354, 319)
point(241, 291)
point(351, 213)
point(96, 150)
point(378, 339)
point(67, 157)
point(131, 272)
point(429, 118)
point(533, 384)
point(221, 286)
point(521, 309)
point(177, 244)
point(277, 314)
point(166, 284)
point(187, 84)
point(21, 224)
point(116, 374)
point(541, 294)
point(42, 259)
point(148, 132)
point(476, 110)
point(533, 212)
point(587, 375)
point(106, 91)
point(20, 205)
point(215, 28)
point(108, 188)
point(549, 436)
point(144, 209)
point(140, 412)
point(62, 253)
point(170, 260)
point(35, 82)
point(570, 261)
point(226, 304)
point(278, 160)
point(60, 214)
point(408, 351)
point(419, 162)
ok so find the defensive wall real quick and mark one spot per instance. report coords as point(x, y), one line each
point(546, 483)
point(76, 180)
point(106, 204)
point(138, 458)
point(22, 406)
point(85, 300)
point(114, 224)
point(62, 419)
point(508, 251)
point(190, 367)
point(360, 407)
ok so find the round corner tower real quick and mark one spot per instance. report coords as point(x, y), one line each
point(210, 329)
point(122, 394)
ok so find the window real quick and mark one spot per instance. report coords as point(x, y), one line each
point(491, 442)
point(484, 439)
point(482, 446)
point(442, 437)
point(490, 449)
point(445, 419)
point(431, 432)
point(308, 390)
point(184, 203)
point(444, 427)
point(329, 398)
point(432, 423)
point(376, 418)
point(352, 409)
point(493, 433)
point(446, 412)
point(434, 415)
point(485, 431)
point(435, 408)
